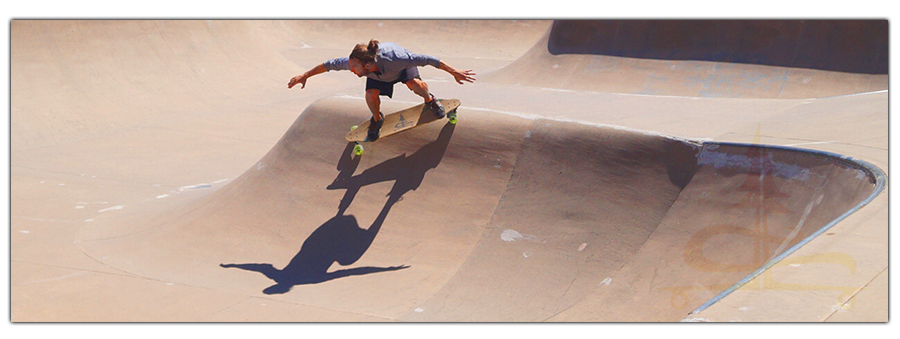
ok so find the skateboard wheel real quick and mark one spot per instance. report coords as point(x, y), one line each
point(353, 127)
point(358, 150)
point(452, 118)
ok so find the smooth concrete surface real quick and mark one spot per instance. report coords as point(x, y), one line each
point(161, 171)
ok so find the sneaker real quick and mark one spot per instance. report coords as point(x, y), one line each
point(437, 108)
point(374, 129)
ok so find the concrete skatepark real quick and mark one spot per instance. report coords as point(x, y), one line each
point(161, 171)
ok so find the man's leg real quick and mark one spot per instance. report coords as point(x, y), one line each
point(413, 81)
point(421, 88)
point(373, 100)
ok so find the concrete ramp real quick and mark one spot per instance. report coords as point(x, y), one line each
point(850, 46)
point(499, 218)
point(745, 206)
point(782, 59)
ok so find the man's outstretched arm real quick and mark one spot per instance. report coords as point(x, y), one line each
point(301, 79)
point(425, 59)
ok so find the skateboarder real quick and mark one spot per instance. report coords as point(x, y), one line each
point(386, 64)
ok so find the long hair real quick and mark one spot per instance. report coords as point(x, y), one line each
point(365, 53)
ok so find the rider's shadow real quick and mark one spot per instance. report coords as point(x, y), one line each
point(340, 239)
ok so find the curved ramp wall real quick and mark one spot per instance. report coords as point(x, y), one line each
point(746, 207)
point(499, 218)
point(851, 46)
point(697, 58)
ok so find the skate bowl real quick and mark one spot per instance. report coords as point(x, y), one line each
point(461, 222)
point(575, 188)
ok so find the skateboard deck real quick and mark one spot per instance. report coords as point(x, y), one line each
point(402, 120)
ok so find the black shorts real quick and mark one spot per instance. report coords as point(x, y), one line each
point(387, 88)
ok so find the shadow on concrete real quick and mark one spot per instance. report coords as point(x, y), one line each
point(340, 239)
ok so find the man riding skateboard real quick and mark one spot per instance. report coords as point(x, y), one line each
point(386, 64)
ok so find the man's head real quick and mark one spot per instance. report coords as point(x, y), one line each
point(361, 68)
point(362, 58)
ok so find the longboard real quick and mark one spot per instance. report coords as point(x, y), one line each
point(400, 121)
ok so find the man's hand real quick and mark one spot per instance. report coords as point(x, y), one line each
point(300, 79)
point(461, 76)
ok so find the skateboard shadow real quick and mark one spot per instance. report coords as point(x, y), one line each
point(407, 171)
point(341, 239)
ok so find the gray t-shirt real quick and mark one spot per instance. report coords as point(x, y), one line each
point(391, 60)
